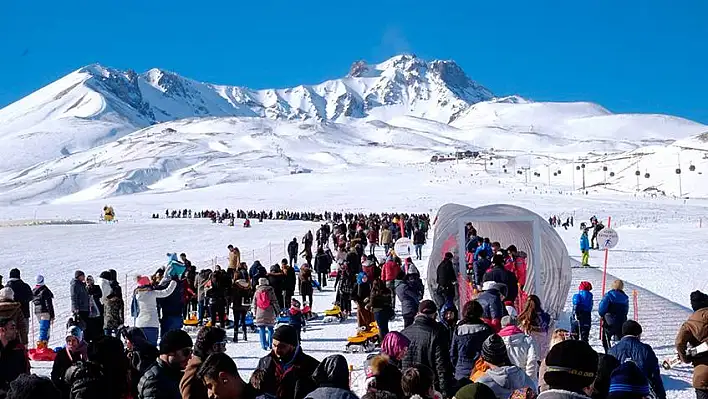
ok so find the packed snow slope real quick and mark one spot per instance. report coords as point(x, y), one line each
point(100, 132)
point(654, 250)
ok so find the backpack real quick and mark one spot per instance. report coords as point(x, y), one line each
point(262, 300)
point(134, 307)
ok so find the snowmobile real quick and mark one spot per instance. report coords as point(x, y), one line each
point(334, 314)
point(365, 339)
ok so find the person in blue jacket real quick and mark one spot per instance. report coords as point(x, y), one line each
point(632, 348)
point(581, 319)
point(613, 311)
point(585, 248)
point(486, 247)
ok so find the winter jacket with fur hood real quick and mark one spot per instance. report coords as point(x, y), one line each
point(521, 350)
point(268, 316)
point(467, 346)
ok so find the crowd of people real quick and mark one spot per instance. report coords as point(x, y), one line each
point(501, 345)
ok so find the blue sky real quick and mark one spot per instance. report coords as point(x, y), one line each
point(630, 56)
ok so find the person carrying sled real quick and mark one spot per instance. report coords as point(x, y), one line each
point(585, 248)
point(44, 310)
point(693, 333)
point(613, 310)
point(581, 319)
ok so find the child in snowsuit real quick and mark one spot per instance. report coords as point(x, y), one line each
point(585, 248)
point(581, 319)
point(296, 318)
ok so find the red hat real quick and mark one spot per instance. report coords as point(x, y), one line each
point(585, 286)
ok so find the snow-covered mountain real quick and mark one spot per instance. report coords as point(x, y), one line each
point(100, 132)
point(96, 104)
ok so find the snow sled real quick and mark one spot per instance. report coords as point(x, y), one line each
point(317, 285)
point(670, 362)
point(283, 318)
point(229, 324)
point(42, 355)
point(334, 314)
point(364, 340)
point(249, 322)
point(191, 320)
point(333, 274)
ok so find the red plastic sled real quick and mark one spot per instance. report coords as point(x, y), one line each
point(42, 355)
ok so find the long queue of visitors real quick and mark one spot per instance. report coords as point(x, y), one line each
point(502, 345)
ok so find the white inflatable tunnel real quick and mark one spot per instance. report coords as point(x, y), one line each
point(549, 271)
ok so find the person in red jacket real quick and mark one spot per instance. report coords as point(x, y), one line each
point(373, 237)
point(389, 273)
point(516, 263)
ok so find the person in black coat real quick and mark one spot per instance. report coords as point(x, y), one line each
point(13, 354)
point(287, 355)
point(409, 290)
point(241, 294)
point(75, 351)
point(323, 265)
point(292, 251)
point(276, 279)
point(446, 279)
point(217, 299)
point(430, 346)
point(500, 275)
point(290, 281)
point(161, 380)
point(23, 292)
point(140, 353)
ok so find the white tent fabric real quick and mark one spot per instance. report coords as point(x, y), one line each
point(547, 260)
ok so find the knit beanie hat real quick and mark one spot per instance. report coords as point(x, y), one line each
point(78, 274)
point(39, 280)
point(699, 300)
point(143, 281)
point(7, 293)
point(628, 380)
point(475, 391)
point(175, 340)
point(494, 351)
point(585, 286)
point(631, 327)
point(15, 273)
point(76, 332)
point(571, 365)
point(286, 334)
